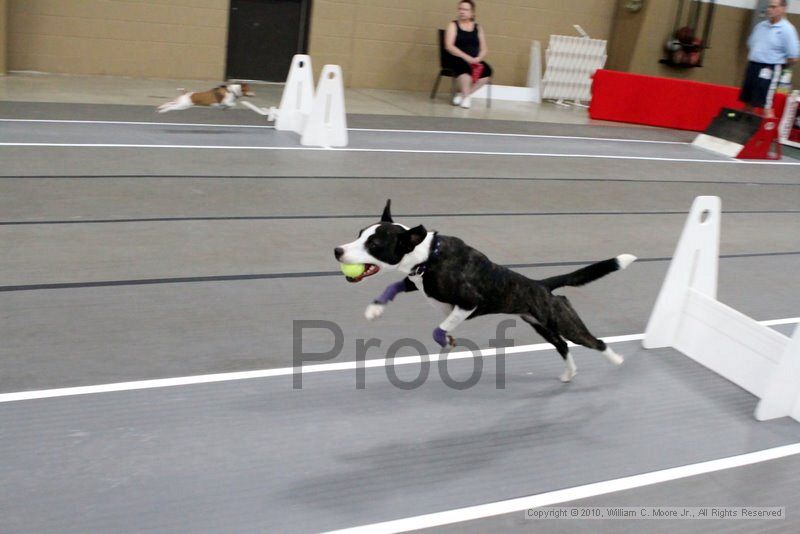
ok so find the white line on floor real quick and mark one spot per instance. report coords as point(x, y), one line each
point(398, 151)
point(285, 371)
point(534, 136)
point(572, 494)
point(388, 130)
point(140, 123)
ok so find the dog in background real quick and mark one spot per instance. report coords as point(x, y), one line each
point(466, 284)
point(224, 96)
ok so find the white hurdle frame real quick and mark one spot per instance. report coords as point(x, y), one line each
point(688, 317)
point(297, 99)
point(318, 116)
point(788, 119)
point(326, 125)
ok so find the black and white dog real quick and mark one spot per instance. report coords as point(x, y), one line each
point(467, 284)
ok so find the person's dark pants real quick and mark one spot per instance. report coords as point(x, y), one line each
point(756, 86)
point(460, 66)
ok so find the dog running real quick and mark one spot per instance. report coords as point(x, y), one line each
point(467, 284)
point(222, 96)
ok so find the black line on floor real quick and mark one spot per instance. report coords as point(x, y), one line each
point(377, 216)
point(427, 178)
point(314, 274)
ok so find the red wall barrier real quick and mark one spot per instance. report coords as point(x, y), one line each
point(667, 102)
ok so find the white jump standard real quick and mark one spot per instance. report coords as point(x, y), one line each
point(319, 118)
point(688, 317)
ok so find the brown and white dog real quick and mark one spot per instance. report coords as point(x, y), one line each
point(224, 96)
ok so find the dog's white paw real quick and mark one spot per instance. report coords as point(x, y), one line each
point(623, 260)
point(374, 311)
point(613, 357)
point(570, 371)
point(568, 375)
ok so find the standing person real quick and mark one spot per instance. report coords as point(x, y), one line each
point(773, 44)
point(466, 43)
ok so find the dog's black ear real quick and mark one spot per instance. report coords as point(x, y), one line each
point(411, 238)
point(387, 212)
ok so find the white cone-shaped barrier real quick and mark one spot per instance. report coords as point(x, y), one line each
point(327, 124)
point(694, 264)
point(782, 398)
point(298, 96)
point(688, 317)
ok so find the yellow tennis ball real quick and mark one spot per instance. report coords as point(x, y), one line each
point(352, 270)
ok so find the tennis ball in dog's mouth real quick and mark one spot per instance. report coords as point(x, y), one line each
point(353, 270)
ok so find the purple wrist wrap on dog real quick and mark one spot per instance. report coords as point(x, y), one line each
point(390, 292)
point(440, 336)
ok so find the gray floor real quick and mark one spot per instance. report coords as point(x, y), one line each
point(133, 263)
point(228, 136)
point(258, 455)
point(770, 484)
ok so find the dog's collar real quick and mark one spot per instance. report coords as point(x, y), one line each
point(420, 268)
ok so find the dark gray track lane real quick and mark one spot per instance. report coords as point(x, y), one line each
point(123, 198)
point(160, 135)
point(86, 253)
point(257, 455)
point(85, 336)
point(379, 167)
point(59, 111)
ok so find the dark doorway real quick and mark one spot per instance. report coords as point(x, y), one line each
point(263, 35)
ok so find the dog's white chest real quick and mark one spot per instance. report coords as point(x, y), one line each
point(417, 279)
point(229, 100)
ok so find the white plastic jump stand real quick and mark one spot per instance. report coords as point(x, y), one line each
point(688, 317)
point(327, 124)
point(298, 96)
point(694, 265)
point(783, 398)
point(789, 121)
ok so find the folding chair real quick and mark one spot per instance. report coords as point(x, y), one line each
point(444, 71)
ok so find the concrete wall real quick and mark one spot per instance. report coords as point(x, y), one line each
point(145, 38)
point(392, 44)
point(389, 44)
point(638, 42)
point(627, 27)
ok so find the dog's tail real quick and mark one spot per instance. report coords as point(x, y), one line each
point(173, 105)
point(182, 102)
point(168, 106)
point(590, 273)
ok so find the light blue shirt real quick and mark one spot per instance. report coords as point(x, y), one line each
point(773, 43)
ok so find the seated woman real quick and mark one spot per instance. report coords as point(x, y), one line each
point(465, 42)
